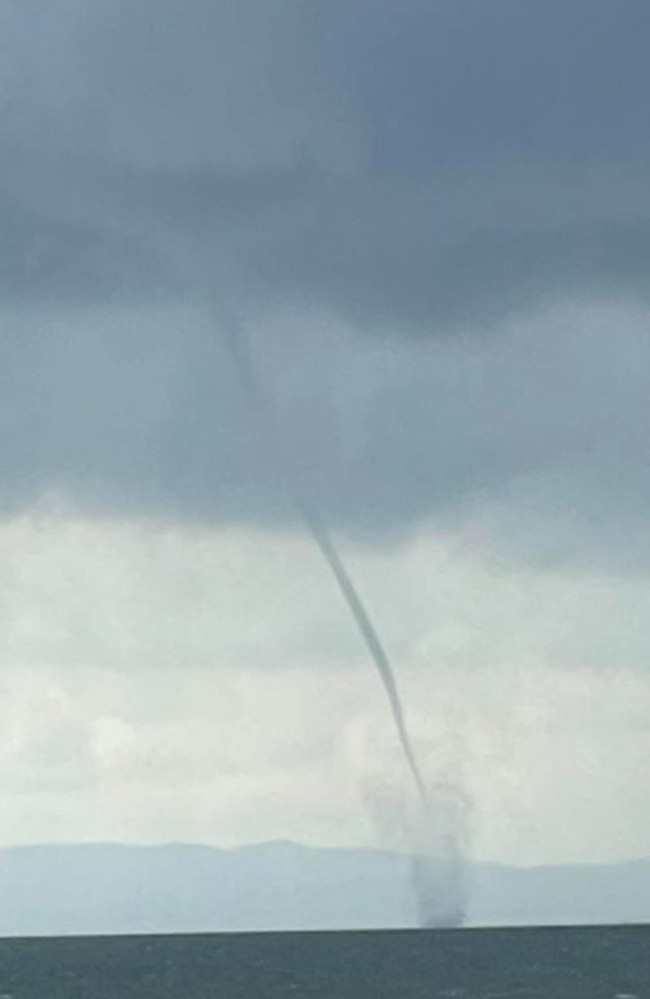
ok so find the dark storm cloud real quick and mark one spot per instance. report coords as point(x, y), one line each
point(51, 261)
point(138, 412)
point(414, 164)
point(399, 167)
point(443, 81)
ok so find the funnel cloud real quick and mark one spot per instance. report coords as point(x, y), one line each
point(435, 875)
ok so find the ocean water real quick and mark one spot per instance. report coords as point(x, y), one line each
point(574, 963)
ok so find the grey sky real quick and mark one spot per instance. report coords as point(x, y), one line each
point(432, 218)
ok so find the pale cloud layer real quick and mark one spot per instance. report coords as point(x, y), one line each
point(255, 715)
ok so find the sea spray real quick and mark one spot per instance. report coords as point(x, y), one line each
point(429, 832)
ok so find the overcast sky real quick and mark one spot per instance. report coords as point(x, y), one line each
point(431, 218)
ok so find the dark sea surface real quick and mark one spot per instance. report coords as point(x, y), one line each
point(580, 963)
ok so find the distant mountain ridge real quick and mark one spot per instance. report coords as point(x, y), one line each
point(110, 888)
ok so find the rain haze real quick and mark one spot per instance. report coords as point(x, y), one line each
point(429, 222)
